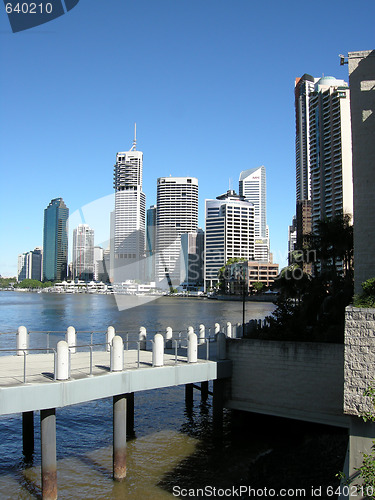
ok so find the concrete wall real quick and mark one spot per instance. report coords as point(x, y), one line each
point(299, 380)
point(362, 103)
point(359, 359)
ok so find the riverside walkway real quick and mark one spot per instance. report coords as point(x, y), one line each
point(45, 378)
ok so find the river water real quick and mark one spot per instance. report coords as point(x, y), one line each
point(173, 447)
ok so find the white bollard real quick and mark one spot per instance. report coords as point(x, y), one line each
point(168, 337)
point(71, 338)
point(217, 328)
point(192, 348)
point(142, 338)
point(221, 346)
point(158, 350)
point(117, 354)
point(109, 337)
point(202, 334)
point(62, 360)
point(190, 330)
point(22, 339)
point(229, 329)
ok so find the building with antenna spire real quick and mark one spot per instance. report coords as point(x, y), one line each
point(128, 240)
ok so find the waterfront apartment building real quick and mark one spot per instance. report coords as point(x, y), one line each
point(55, 240)
point(330, 150)
point(252, 186)
point(304, 86)
point(176, 214)
point(30, 265)
point(83, 252)
point(362, 101)
point(129, 216)
point(229, 233)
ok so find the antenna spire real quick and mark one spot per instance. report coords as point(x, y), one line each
point(134, 147)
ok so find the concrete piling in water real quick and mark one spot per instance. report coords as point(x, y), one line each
point(28, 434)
point(218, 405)
point(109, 337)
point(119, 437)
point(202, 334)
point(192, 353)
point(221, 346)
point(189, 399)
point(62, 360)
point(204, 391)
point(71, 338)
point(130, 413)
point(48, 445)
point(117, 354)
point(158, 350)
point(142, 337)
point(168, 337)
point(22, 340)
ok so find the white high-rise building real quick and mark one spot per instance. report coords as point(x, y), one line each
point(330, 150)
point(230, 233)
point(252, 186)
point(129, 216)
point(176, 213)
point(83, 252)
point(30, 265)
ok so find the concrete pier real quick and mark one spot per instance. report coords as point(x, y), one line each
point(119, 437)
point(48, 445)
point(218, 405)
point(28, 434)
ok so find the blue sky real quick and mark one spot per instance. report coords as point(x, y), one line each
point(210, 84)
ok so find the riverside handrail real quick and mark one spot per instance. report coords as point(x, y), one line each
point(24, 351)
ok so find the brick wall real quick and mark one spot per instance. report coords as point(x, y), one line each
point(301, 380)
point(359, 359)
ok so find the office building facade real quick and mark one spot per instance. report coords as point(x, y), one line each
point(55, 240)
point(150, 243)
point(192, 259)
point(83, 252)
point(252, 186)
point(129, 216)
point(229, 233)
point(176, 214)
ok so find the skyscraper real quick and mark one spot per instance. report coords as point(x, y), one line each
point(330, 150)
point(55, 240)
point(192, 249)
point(83, 252)
point(150, 243)
point(129, 216)
point(252, 186)
point(303, 87)
point(230, 230)
point(176, 213)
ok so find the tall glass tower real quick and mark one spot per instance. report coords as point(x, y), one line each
point(55, 240)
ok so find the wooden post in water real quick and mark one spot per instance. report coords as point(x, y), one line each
point(48, 445)
point(28, 434)
point(119, 437)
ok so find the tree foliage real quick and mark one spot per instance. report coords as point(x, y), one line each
point(312, 307)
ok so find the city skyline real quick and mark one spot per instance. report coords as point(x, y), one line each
point(210, 100)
